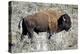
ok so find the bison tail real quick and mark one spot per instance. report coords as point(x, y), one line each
point(19, 24)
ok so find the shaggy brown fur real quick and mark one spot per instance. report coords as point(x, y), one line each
point(53, 17)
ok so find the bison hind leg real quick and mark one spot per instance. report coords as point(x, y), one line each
point(30, 34)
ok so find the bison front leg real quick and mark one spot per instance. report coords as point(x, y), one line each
point(50, 34)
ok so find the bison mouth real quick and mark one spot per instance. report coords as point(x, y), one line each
point(67, 28)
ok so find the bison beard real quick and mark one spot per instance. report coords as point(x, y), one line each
point(46, 21)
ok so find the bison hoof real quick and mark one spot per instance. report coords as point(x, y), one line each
point(30, 37)
point(49, 37)
point(21, 38)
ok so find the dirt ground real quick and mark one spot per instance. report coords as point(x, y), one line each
point(59, 41)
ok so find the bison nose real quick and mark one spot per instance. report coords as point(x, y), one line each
point(68, 29)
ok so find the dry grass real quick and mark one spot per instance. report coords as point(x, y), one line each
point(60, 41)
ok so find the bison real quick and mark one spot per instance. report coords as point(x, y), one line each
point(50, 21)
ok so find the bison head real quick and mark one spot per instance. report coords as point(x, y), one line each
point(64, 22)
